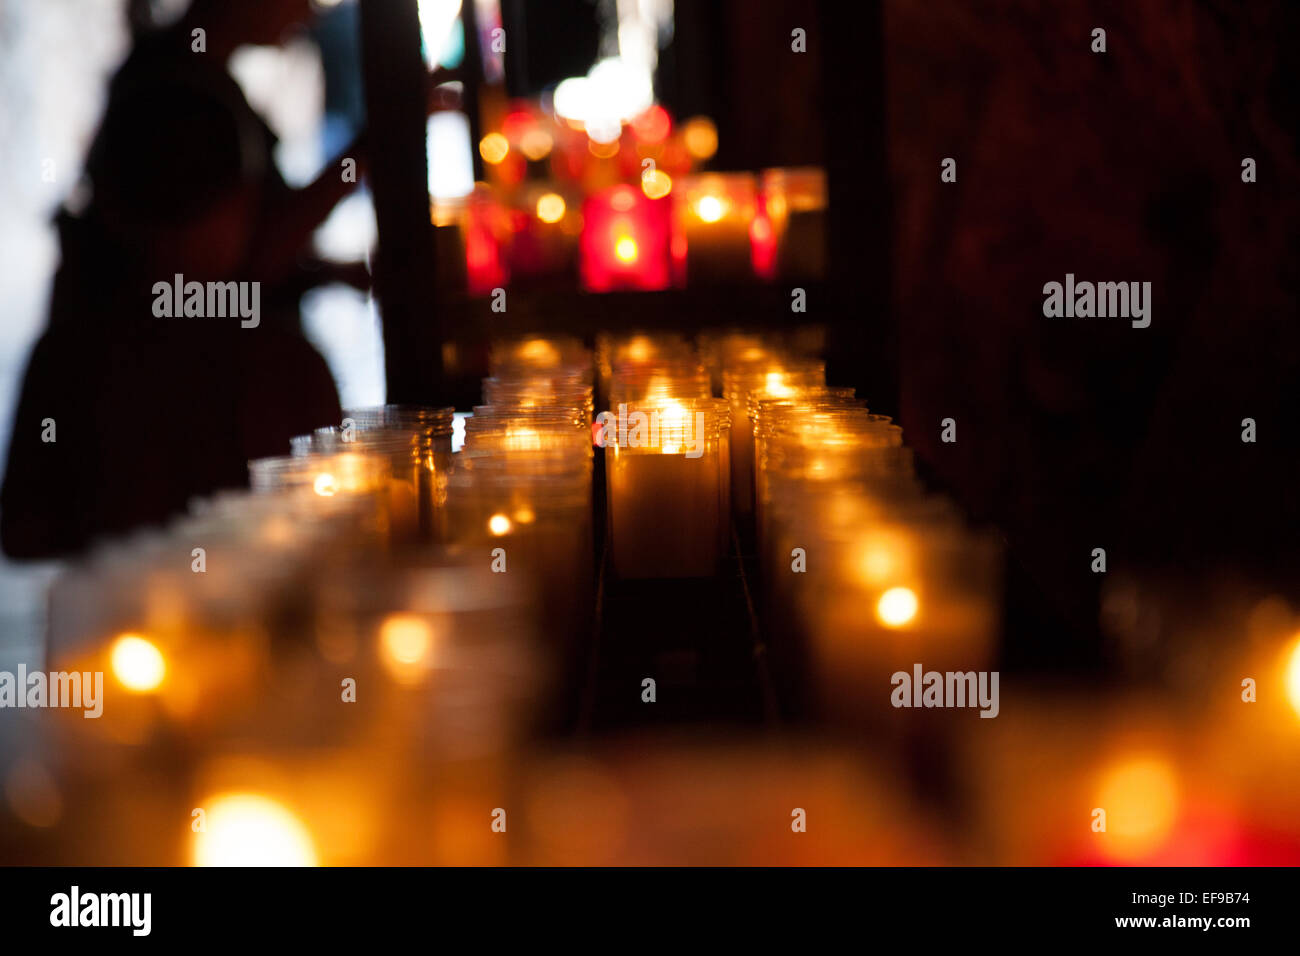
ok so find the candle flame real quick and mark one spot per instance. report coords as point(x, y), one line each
point(709, 208)
point(406, 646)
point(775, 386)
point(626, 250)
point(550, 207)
point(248, 829)
point(137, 664)
point(897, 607)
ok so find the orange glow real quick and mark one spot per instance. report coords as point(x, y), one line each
point(1140, 797)
point(137, 664)
point(499, 524)
point(775, 387)
point(709, 208)
point(625, 249)
point(325, 485)
point(536, 144)
point(550, 207)
point(494, 148)
point(876, 563)
point(656, 184)
point(539, 352)
point(603, 150)
point(701, 137)
point(639, 349)
point(247, 829)
point(653, 125)
point(897, 607)
point(1293, 677)
point(406, 646)
point(622, 199)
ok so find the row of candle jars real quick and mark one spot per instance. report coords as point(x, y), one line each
point(867, 573)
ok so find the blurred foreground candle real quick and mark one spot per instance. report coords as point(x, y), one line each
point(666, 472)
point(625, 240)
point(713, 216)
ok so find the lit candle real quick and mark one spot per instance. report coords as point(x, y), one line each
point(665, 476)
point(625, 241)
point(713, 218)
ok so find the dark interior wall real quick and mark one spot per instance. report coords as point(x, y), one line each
point(1083, 433)
point(732, 60)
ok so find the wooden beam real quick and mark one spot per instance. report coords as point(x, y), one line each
point(396, 96)
point(864, 339)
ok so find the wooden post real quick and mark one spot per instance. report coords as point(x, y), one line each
point(864, 334)
point(396, 116)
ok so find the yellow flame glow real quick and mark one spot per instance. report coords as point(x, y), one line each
point(248, 829)
point(1140, 797)
point(626, 250)
point(709, 208)
point(897, 607)
point(494, 148)
point(550, 207)
point(137, 664)
point(406, 645)
point(656, 183)
point(1293, 677)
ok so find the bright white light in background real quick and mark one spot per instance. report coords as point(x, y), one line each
point(612, 93)
point(572, 98)
point(619, 88)
point(451, 156)
point(286, 85)
point(643, 27)
point(458, 430)
point(437, 18)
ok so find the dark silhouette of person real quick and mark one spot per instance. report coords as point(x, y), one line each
point(128, 410)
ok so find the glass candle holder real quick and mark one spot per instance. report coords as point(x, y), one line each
point(753, 381)
point(664, 474)
point(329, 484)
point(712, 217)
point(432, 428)
point(406, 469)
point(624, 242)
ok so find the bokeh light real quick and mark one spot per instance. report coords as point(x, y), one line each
point(137, 664)
point(248, 829)
point(897, 607)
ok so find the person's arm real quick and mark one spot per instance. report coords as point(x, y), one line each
point(296, 214)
